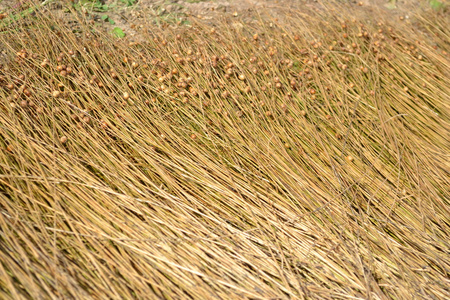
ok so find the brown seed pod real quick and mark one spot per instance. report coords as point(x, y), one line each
point(45, 62)
point(23, 103)
point(103, 124)
point(87, 119)
point(75, 117)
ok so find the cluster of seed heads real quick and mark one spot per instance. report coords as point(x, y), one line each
point(197, 77)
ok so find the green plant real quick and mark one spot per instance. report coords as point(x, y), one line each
point(108, 19)
point(129, 2)
point(436, 4)
point(118, 32)
point(92, 5)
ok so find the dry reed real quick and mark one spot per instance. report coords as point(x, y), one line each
point(300, 158)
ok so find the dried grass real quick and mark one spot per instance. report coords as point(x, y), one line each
point(332, 187)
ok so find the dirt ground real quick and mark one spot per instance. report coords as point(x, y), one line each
point(134, 15)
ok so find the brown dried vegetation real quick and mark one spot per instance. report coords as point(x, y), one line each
point(305, 159)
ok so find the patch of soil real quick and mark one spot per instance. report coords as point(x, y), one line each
point(134, 17)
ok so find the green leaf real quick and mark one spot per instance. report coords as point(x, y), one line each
point(118, 32)
point(128, 2)
point(98, 6)
point(107, 18)
point(436, 5)
point(392, 4)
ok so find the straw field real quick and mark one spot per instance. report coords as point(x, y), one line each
point(305, 157)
